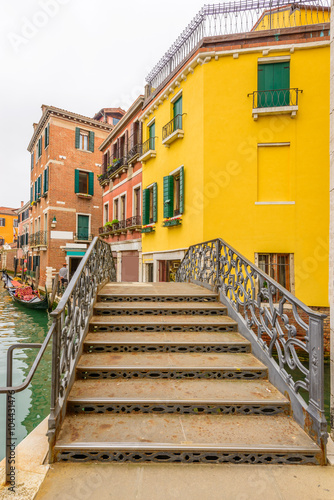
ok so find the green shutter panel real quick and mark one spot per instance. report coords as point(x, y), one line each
point(91, 141)
point(31, 194)
point(32, 160)
point(91, 183)
point(35, 190)
point(155, 202)
point(47, 179)
point(46, 137)
point(146, 206)
point(168, 196)
point(182, 190)
point(39, 185)
point(77, 138)
point(76, 181)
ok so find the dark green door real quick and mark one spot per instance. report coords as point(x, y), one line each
point(177, 114)
point(152, 136)
point(83, 227)
point(274, 84)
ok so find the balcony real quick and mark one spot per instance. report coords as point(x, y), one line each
point(39, 240)
point(83, 237)
point(130, 224)
point(148, 150)
point(134, 153)
point(273, 102)
point(173, 130)
point(103, 178)
point(133, 223)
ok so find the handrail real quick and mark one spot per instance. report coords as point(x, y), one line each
point(280, 336)
point(275, 97)
point(13, 389)
point(172, 126)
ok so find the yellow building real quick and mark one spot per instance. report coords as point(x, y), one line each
point(8, 225)
point(236, 140)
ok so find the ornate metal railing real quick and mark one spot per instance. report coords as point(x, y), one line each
point(236, 17)
point(133, 152)
point(71, 321)
point(103, 177)
point(83, 237)
point(275, 98)
point(148, 145)
point(172, 126)
point(133, 221)
point(287, 336)
point(40, 238)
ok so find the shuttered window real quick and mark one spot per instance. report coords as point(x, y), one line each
point(31, 194)
point(177, 113)
point(46, 180)
point(39, 186)
point(150, 204)
point(32, 160)
point(47, 136)
point(35, 198)
point(2, 222)
point(84, 140)
point(174, 194)
point(274, 77)
point(91, 141)
point(84, 182)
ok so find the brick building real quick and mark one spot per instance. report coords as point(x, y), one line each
point(121, 180)
point(66, 197)
point(23, 214)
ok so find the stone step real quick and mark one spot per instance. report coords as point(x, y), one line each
point(170, 365)
point(155, 292)
point(166, 342)
point(185, 438)
point(159, 308)
point(163, 323)
point(199, 396)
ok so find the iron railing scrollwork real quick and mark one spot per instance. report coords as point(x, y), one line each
point(275, 98)
point(133, 221)
point(148, 145)
point(288, 335)
point(172, 126)
point(133, 152)
point(40, 238)
point(71, 320)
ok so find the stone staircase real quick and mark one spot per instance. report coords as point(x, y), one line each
point(166, 377)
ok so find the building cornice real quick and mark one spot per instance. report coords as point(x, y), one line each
point(49, 111)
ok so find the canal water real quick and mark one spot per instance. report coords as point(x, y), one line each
point(19, 324)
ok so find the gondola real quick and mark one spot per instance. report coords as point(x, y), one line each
point(34, 303)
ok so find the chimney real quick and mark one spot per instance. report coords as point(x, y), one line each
point(148, 90)
point(35, 125)
point(22, 203)
point(44, 106)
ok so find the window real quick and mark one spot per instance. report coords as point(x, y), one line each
point(115, 121)
point(174, 194)
point(39, 147)
point(123, 207)
point(84, 182)
point(106, 213)
point(136, 202)
point(32, 160)
point(47, 136)
point(177, 113)
point(46, 180)
point(151, 133)
point(274, 84)
point(150, 208)
point(83, 227)
point(84, 140)
point(15, 223)
point(116, 206)
point(2, 222)
point(277, 266)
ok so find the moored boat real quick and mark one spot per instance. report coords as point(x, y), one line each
point(16, 290)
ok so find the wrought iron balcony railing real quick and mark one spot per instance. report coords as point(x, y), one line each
point(275, 98)
point(148, 145)
point(103, 177)
point(135, 151)
point(83, 237)
point(38, 239)
point(134, 221)
point(172, 126)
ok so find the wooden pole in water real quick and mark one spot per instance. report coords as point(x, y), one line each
point(54, 291)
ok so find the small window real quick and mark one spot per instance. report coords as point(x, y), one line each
point(15, 223)
point(136, 202)
point(274, 84)
point(115, 121)
point(83, 140)
point(106, 213)
point(151, 131)
point(177, 113)
point(277, 266)
point(83, 182)
point(116, 214)
point(2, 222)
point(150, 209)
point(123, 207)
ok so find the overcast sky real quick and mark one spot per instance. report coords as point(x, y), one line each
point(79, 55)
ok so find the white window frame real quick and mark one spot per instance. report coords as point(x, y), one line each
point(118, 197)
point(105, 205)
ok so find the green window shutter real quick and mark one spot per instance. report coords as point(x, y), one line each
point(91, 141)
point(77, 138)
point(168, 196)
point(76, 181)
point(83, 227)
point(40, 146)
point(275, 76)
point(47, 179)
point(31, 194)
point(152, 136)
point(155, 202)
point(91, 183)
point(46, 137)
point(32, 160)
point(182, 190)
point(39, 186)
point(177, 107)
point(146, 206)
point(35, 191)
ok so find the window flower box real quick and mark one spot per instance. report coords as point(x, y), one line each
point(172, 222)
point(148, 229)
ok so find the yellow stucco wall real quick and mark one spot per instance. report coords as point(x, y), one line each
point(227, 173)
point(7, 231)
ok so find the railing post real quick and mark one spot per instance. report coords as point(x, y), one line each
point(316, 370)
point(218, 248)
point(9, 383)
point(54, 386)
